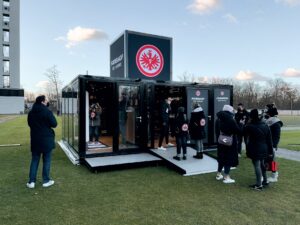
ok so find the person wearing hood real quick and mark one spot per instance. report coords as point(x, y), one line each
point(258, 147)
point(181, 133)
point(197, 129)
point(227, 155)
point(41, 121)
point(275, 125)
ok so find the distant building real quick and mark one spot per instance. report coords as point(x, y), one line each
point(11, 94)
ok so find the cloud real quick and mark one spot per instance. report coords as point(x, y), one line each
point(290, 2)
point(248, 75)
point(230, 18)
point(80, 34)
point(42, 84)
point(203, 6)
point(290, 73)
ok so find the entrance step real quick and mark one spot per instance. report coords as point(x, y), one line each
point(69, 151)
point(122, 161)
point(190, 166)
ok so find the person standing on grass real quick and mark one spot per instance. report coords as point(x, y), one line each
point(227, 155)
point(241, 117)
point(275, 125)
point(258, 147)
point(41, 121)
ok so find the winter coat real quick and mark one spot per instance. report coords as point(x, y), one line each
point(258, 140)
point(41, 121)
point(181, 125)
point(96, 121)
point(197, 124)
point(165, 111)
point(227, 155)
point(241, 115)
point(275, 125)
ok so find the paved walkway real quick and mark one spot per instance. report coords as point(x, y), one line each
point(7, 118)
point(288, 154)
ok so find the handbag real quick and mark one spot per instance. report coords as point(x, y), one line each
point(272, 166)
point(225, 139)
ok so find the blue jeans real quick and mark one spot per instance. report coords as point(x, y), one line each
point(35, 165)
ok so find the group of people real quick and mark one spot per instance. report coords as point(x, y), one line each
point(261, 135)
point(195, 129)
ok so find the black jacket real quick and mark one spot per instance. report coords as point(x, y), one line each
point(41, 121)
point(241, 115)
point(197, 124)
point(275, 126)
point(181, 125)
point(258, 140)
point(165, 111)
point(227, 155)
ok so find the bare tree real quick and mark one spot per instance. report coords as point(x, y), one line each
point(29, 96)
point(55, 84)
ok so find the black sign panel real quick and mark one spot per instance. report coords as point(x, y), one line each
point(200, 96)
point(117, 67)
point(149, 57)
point(221, 98)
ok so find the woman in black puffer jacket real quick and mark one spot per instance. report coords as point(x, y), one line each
point(227, 155)
point(258, 147)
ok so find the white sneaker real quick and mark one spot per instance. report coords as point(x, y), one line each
point(228, 181)
point(219, 177)
point(49, 183)
point(162, 148)
point(30, 185)
point(170, 145)
point(272, 179)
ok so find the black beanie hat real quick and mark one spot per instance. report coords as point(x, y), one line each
point(254, 115)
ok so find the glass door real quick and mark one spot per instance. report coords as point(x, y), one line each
point(129, 116)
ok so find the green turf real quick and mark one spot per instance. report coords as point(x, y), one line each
point(153, 195)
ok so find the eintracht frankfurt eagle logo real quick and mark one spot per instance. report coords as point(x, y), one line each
point(149, 60)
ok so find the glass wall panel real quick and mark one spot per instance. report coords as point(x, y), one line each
point(70, 117)
point(75, 116)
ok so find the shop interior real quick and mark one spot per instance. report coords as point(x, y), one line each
point(177, 95)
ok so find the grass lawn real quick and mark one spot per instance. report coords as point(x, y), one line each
point(153, 195)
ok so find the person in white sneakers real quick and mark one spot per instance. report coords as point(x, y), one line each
point(41, 121)
point(275, 125)
point(227, 154)
point(164, 129)
point(258, 147)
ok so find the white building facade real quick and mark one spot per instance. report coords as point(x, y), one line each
point(11, 94)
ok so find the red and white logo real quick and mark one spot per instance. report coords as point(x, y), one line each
point(198, 93)
point(202, 122)
point(184, 127)
point(149, 60)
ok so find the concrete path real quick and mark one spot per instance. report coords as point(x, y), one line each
point(7, 118)
point(288, 154)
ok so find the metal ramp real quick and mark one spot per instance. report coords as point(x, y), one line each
point(190, 166)
point(122, 161)
point(70, 153)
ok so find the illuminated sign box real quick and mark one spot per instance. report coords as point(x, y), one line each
point(141, 56)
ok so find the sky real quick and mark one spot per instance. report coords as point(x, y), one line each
point(243, 40)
